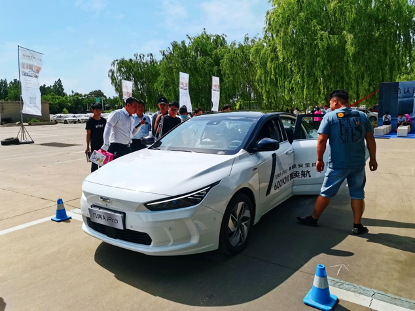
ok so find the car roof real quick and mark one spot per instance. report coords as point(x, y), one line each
point(247, 114)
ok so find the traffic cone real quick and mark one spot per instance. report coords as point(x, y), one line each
point(319, 295)
point(60, 212)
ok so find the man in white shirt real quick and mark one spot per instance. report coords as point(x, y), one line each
point(120, 129)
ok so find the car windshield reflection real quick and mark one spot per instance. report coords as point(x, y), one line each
point(214, 134)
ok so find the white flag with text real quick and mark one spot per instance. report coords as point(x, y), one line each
point(127, 89)
point(184, 96)
point(31, 64)
point(215, 94)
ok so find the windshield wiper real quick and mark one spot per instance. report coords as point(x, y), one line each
point(180, 150)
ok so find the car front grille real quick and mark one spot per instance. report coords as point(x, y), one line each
point(125, 235)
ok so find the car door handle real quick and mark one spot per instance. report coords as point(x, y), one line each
point(289, 152)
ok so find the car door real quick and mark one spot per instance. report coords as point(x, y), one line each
point(306, 180)
point(274, 183)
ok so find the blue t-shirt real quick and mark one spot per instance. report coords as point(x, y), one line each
point(346, 129)
point(144, 129)
point(403, 119)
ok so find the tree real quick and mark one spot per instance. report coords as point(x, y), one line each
point(312, 47)
point(13, 90)
point(3, 89)
point(65, 111)
point(58, 89)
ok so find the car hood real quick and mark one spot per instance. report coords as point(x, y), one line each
point(163, 172)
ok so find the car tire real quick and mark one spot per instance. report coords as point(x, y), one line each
point(65, 122)
point(10, 141)
point(237, 223)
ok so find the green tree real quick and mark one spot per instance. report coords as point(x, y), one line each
point(65, 111)
point(13, 90)
point(58, 89)
point(312, 47)
point(3, 89)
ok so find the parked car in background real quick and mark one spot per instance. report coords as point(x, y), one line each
point(373, 116)
point(375, 108)
point(65, 119)
point(81, 118)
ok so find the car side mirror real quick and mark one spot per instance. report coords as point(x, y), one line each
point(267, 144)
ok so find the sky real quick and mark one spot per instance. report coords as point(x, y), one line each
point(80, 38)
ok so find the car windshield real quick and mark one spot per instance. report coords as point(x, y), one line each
point(215, 134)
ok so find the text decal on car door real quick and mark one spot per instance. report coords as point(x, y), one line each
point(271, 178)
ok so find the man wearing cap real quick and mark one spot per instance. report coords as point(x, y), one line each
point(142, 123)
point(183, 113)
point(163, 106)
point(346, 131)
point(94, 132)
point(120, 129)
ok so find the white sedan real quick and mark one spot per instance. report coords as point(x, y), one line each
point(203, 185)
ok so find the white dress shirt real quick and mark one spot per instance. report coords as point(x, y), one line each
point(119, 129)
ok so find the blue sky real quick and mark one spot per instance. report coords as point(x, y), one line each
point(80, 38)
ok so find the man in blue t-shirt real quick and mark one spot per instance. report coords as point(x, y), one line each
point(346, 130)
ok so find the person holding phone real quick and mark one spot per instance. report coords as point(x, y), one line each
point(142, 123)
point(165, 123)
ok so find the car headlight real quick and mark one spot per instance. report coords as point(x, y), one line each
point(181, 201)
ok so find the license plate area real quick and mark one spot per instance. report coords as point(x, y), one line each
point(107, 217)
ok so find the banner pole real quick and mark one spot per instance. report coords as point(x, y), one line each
point(20, 94)
point(22, 131)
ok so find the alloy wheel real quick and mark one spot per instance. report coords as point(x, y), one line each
point(239, 224)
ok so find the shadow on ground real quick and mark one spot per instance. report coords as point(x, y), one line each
point(278, 248)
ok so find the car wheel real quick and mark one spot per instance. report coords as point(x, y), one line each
point(65, 122)
point(10, 141)
point(236, 225)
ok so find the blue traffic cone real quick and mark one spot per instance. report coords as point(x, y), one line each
point(60, 212)
point(319, 295)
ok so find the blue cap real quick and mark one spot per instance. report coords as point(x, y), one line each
point(60, 201)
point(321, 271)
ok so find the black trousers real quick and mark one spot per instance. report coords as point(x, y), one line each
point(119, 150)
point(386, 122)
point(137, 145)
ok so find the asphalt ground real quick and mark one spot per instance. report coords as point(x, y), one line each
point(55, 266)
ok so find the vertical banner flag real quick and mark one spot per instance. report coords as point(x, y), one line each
point(31, 64)
point(127, 89)
point(215, 93)
point(184, 97)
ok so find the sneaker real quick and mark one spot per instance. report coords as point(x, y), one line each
point(360, 230)
point(308, 221)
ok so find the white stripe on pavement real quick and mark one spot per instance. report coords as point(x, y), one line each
point(75, 214)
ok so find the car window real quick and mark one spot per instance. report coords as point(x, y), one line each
point(309, 128)
point(270, 130)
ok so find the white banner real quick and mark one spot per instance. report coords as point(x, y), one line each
point(31, 64)
point(127, 89)
point(215, 93)
point(184, 97)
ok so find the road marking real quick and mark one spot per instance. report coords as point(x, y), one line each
point(340, 267)
point(368, 297)
point(75, 214)
point(69, 161)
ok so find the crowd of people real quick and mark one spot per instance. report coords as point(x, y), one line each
point(126, 128)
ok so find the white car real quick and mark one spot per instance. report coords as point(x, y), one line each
point(203, 185)
point(81, 118)
point(65, 118)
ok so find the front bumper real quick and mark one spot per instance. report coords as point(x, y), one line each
point(176, 232)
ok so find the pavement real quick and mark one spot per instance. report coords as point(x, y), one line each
point(55, 266)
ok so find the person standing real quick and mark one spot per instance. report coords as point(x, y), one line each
point(346, 130)
point(198, 112)
point(163, 106)
point(296, 112)
point(168, 122)
point(120, 129)
point(142, 123)
point(183, 113)
point(317, 119)
point(94, 132)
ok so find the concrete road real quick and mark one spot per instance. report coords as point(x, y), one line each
point(55, 266)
